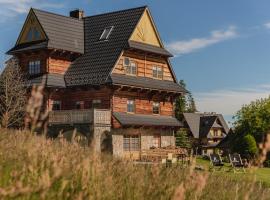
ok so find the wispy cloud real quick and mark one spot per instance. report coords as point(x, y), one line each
point(228, 102)
point(267, 25)
point(188, 46)
point(11, 8)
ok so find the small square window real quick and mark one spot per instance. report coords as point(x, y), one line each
point(34, 67)
point(156, 108)
point(56, 105)
point(157, 72)
point(96, 103)
point(106, 33)
point(131, 106)
point(79, 105)
point(131, 143)
point(130, 66)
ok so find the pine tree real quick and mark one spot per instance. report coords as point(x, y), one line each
point(184, 103)
point(182, 139)
point(180, 103)
point(191, 107)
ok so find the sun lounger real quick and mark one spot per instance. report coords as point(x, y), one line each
point(216, 162)
point(236, 163)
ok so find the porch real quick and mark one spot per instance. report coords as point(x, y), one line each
point(85, 116)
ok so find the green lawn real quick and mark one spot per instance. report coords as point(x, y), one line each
point(261, 175)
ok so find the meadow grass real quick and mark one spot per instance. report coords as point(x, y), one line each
point(34, 167)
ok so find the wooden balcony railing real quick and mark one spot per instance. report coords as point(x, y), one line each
point(91, 116)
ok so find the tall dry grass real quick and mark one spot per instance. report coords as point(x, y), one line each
point(34, 167)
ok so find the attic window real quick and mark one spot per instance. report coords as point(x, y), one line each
point(106, 33)
point(33, 34)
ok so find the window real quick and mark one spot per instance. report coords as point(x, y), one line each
point(33, 34)
point(215, 133)
point(106, 33)
point(156, 108)
point(96, 103)
point(131, 106)
point(130, 66)
point(56, 105)
point(29, 35)
point(157, 72)
point(79, 105)
point(156, 141)
point(34, 67)
point(131, 143)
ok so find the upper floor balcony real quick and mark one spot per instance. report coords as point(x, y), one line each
point(87, 116)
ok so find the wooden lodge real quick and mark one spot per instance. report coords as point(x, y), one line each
point(110, 71)
point(207, 130)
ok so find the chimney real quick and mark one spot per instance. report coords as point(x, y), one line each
point(79, 14)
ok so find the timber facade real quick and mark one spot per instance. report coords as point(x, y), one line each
point(108, 71)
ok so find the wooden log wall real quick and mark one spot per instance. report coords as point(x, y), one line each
point(69, 97)
point(144, 65)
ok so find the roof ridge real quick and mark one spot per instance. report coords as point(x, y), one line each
point(117, 11)
point(52, 13)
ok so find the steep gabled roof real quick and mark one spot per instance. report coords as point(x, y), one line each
point(201, 123)
point(98, 57)
point(193, 121)
point(63, 32)
point(206, 123)
point(94, 67)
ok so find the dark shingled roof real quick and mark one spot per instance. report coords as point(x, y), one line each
point(149, 48)
point(201, 123)
point(63, 32)
point(98, 58)
point(29, 46)
point(126, 119)
point(94, 67)
point(144, 82)
point(50, 80)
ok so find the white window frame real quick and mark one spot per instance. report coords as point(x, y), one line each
point(157, 72)
point(130, 67)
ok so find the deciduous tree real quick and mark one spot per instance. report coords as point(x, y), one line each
point(12, 95)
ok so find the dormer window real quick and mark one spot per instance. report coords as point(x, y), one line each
point(34, 67)
point(157, 72)
point(130, 67)
point(106, 33)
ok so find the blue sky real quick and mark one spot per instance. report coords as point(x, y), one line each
point(221, 48)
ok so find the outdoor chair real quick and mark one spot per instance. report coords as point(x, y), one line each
point(236, 163)
point(216, 162)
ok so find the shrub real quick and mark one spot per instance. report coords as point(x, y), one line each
point(247, 147)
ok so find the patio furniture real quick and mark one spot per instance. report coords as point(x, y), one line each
point(236, 163)
point(216, 162)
